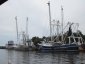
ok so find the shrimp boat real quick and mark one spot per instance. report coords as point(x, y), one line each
point(67, 45)
point(22, 38)
point(67, 42)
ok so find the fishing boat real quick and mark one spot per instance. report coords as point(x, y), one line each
point(59, 45)
point(22, 38)
point(72, 42)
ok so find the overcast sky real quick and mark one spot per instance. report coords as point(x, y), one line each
point(37, 12)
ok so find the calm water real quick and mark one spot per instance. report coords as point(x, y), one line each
point(18, 57)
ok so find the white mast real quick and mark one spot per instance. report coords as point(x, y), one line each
point(16, 28)
point(58, 28)
point(62, 21)
point(27, 29)
point(50, 20)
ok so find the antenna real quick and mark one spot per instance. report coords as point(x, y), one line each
point(16, 27)
point(50, 20)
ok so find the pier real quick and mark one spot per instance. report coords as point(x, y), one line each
point(2, 47)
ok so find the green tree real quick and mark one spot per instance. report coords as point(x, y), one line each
point(36, 40)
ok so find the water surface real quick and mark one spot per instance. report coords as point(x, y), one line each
point(19, 57)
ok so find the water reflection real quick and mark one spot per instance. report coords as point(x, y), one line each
point(18, 57)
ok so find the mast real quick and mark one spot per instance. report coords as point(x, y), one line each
point(50, 20)
point(27, 29)
point(16, 28)
point(62, 21)
point(58, 28)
